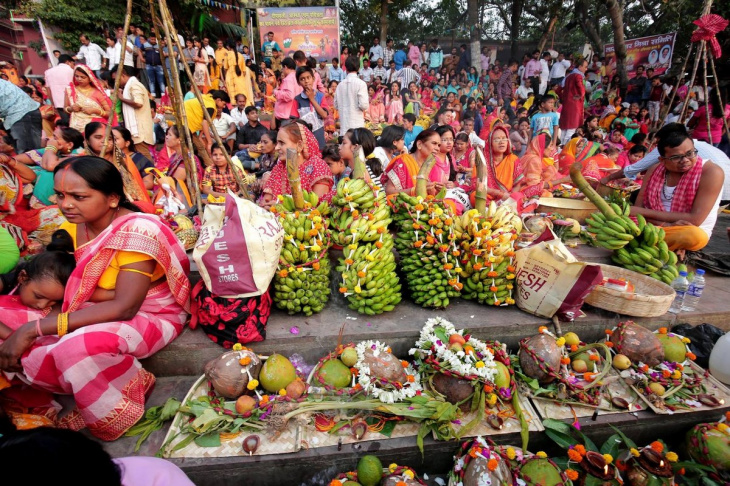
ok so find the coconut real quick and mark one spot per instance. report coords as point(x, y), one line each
point(454, 389)
point(674, 349)
point(477, 473)
point(638, 344)
point(228, 376)
point(709, 445)
point(544, 347)
point(384, 366)
point(540, 471)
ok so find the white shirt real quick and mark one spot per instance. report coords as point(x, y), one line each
point(376, 52)
point(351, 99)
point(545, 71)
point(239, 116)
point(115, 53)
point(366, 74)
point(559, 68)
point(704, 150)
point(92, 55)
point(222, 124)
point(210, 51)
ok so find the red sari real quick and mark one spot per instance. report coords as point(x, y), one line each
point(99, 364)
point(572, 99)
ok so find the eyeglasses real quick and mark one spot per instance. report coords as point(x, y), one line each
point(678, 158)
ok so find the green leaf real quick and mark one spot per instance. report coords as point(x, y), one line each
point(388, 428)
point(184, 443)
point(440, 332)
point(612, 445)
point(209, 440)
point(570, 430)
point(563, 440)
point(627, 442)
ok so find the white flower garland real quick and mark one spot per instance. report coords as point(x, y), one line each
point(459, 362)
point(388, 393)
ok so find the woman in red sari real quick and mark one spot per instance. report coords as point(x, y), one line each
point(314, 172)
point(402, 171)
point(90, 348)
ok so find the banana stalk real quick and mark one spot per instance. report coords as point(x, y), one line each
point(292, 172)
point(582, 184)
point(358, 168)
point(422, 178)
point(481, 195)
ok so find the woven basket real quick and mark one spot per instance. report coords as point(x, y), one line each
point(568, 208)
point(651, 298)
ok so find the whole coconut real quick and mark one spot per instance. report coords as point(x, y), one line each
point(454, 389)
point(384, 366)
point(540, 471)
point(544, 346)
point(638, 344)
point(477, 473)
point(709, 445)
point(228, 377)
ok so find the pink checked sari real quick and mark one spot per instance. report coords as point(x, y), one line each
point(98, 364)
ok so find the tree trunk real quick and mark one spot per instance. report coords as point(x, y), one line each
point(475, 33)
point(514, 31)
point(383, 22)
point(615, 13)
point(588, 26)
point(546, 34)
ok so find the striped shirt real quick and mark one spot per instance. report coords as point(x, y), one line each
point(406, 75)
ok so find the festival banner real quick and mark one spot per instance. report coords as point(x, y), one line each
point(654, 51)
point(314, 30)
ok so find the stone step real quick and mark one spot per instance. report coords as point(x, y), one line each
point(318, 466)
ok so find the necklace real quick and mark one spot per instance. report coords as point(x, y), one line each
point(667, 197)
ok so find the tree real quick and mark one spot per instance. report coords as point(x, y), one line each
point(615, 13)
point(514, 31)
point(475, 34)
point(383, 21)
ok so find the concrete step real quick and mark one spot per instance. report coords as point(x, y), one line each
point(318, 466)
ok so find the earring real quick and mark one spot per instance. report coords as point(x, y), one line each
point(114, 205)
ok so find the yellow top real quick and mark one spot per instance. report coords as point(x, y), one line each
point(108, 280)
point(195, 112)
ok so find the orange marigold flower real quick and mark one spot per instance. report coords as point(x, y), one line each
point(355, 213)
point(492, 464)
point(418, 207)
point(335, 482)
point(573, 348)
point(542, 329)
point(691, 356)
point(574, 455)
point(361, 274)
point(343, 290)
point(349, 261)
point(476, 251)
point(492, 274)
point(609, 344)
point(315, 265)
point(571, 474)
point(245, 361)
point(418, 244)
point(594, 357)
point(416, 226)
point(488, 388)
point(657, 446)
point(589, 377)
point(473, 452)
point(609, 332)
point(493, 288)
point(381, 230)
point(666, 373)
point(313, 232)
point(401, 483)
point(430, 240)
point(565, 360)
point(404, 363)
point(448, 266)
point(581, 449)
point(283, 273)
point(681, 472)
point(264, 400)
point(354, 372)
point(378, 244)
point(411, 378)
point(662, 330)
point(510, 268)
point(477, 266)
point(456, 253)
point(439, 232)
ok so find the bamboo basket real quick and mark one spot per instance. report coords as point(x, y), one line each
point(651, 298)
point(568, 208)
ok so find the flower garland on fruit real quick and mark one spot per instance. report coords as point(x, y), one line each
point(382, 389)
point(499, 459)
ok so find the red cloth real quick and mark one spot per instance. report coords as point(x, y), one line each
point(709, 25)
point(684, 193)
point(572, 99)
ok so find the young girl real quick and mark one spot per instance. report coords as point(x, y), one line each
point(463, 158)
point(413, 100)
point(427, 99)
point(394, 105)
point(439, 91)
point(377, 108)
point(617, 138)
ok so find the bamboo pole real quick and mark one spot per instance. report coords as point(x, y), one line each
point(295, 183)
point(181, 118)
point(707, 93)
point(676, 86)
point(165, 12)
point(120, 68)
point(692, 80)
point(717, 87)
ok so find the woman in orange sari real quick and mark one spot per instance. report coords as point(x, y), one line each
point(86, 100)
point(504, 170)
point(402, 171)
point(538, 167)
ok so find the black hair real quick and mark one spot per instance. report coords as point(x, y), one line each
point(671, 140)
point(619, 127)
point(638, 149)
point(55, 265)
point(175, 130)
point(638, 138)
point(128, 70)
point(461, 137)
point(153, 105)
point(365, 139)
point(351, 64)
point(232, 45)
point(331, 151)
point(271, 134)
point(216, 146)
point(219, 95)
point(424, 135)
point(390, 135)
point(670, 128)
point(441, 130)
point(288, 62)
point(717, 111)
point(63, 58)
point(329, 85)
point(410, 117)
point(523, 119)
point(546, 98)
point(126, 135)
point(304, 69)
point(61, 450)
point(249, 109)
point(300, 56)
point(100, 175)
point(29, 90)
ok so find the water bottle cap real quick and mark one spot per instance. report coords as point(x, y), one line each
point(700, 272)
point(683, 273)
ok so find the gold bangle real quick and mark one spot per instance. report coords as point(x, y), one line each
point(62, 324)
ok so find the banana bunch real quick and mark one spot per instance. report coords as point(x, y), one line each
point(368, 274)
point(426, 243)
point(302, 282)
point(361, 212)
point(648, 254)
point(487, 254)
point(613, 231)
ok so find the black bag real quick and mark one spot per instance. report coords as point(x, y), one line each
point(703, 339)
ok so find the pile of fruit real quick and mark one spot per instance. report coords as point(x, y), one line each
point(486, 251)
point(302, 281)
point(370, 472)
point(359, 225)
point(639, 246)
point(426, 242)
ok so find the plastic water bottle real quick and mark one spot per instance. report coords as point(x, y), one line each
point(694, 292)
point(680, 285)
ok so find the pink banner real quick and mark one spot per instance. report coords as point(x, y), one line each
point(653, 52)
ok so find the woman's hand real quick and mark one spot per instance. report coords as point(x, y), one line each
point(13, 348)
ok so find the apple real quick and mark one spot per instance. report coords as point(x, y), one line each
point(457, 339)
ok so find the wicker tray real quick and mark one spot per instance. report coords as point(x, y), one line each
point(568, 208)
point(651, 298)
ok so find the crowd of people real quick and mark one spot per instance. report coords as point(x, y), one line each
point(66, 187)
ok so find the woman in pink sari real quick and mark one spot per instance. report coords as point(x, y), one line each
point(90, 348)
point(538, 167)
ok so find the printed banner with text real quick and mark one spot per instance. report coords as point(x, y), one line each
point(653, 52)
point(314, 30)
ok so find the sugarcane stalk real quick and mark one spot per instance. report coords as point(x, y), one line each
point(295, 183)
point(181, 118)
point(199, 96)
point(582, 184)
point(481, 194)
point(358, 165)
point(120, 68)
point(422, 178)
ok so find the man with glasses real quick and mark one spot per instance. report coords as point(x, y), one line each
point(682, 193)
